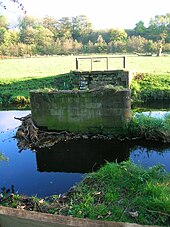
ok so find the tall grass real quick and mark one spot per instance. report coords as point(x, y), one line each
point(150, 128)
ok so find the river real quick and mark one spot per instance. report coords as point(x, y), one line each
point(54, 170)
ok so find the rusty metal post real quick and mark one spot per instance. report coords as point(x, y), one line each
point(124, 62)
point(77, 64)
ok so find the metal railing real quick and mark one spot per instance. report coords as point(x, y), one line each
point(93, 59)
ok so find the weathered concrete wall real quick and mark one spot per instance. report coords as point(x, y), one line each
point(10, 217)
point(67, 82)
point(94, 79)
point(103, 111)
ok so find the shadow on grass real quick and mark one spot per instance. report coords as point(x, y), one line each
point(17, 92)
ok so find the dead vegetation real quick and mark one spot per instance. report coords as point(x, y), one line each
point(29, 136)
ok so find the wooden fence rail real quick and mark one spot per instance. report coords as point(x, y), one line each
point(93, 59)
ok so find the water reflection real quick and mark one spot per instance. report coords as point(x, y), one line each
point(55, 170)
point(80, 156)
point(148, 153)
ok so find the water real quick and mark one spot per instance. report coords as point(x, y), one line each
point(54, 170)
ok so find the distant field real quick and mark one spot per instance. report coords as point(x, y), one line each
point(50, 66)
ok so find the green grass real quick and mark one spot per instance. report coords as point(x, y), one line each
point(151, 65)
point(150, 128)
point(118, 191)
point(51, 66)
point(19, 76)
point(146, 87)
point(39, 67)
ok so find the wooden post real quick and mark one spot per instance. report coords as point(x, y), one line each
point(91, 63)
point(107, 63)
point(77, 64)
point(124, 62)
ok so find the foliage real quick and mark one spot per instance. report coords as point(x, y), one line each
point(146, 87)
point(136, 44)
point(73, 35)
point(150, 128)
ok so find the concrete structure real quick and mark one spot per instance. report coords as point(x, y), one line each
point(101, 111)
point(10, 217)
point(94, 79)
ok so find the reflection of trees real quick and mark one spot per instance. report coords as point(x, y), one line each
point(146, 152)
point(3, 158)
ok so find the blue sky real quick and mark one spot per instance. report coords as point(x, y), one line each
point(102, 13)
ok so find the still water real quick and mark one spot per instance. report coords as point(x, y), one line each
point(54, 170)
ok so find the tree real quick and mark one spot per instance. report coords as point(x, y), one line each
point(158, 29)
point(64, 28)
point(89, 48)
point(3, 22)
point(117, 35)
point(100, 45)
point(150, 46)
point(158, 26)
point(29, 22)
point(52, 24)
point(3, 32)
point(43, 40)
point(117, 47)
point(140, 29)
point(28, 26)
point(80, 26)
point(136, 44)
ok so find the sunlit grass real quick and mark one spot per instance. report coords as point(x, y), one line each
point(50, 66)
point(35, 67)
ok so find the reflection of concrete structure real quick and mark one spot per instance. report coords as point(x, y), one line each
point(104, 111)
point(80, 156)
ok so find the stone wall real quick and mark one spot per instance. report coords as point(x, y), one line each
point(67, 81)
point(94, 79)
point(103, 111)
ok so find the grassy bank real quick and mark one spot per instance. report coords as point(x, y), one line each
point(117, 192)
point(18, 76)
point(148, 87)
point(148, 127)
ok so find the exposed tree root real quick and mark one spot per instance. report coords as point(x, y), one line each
point(29, 136)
